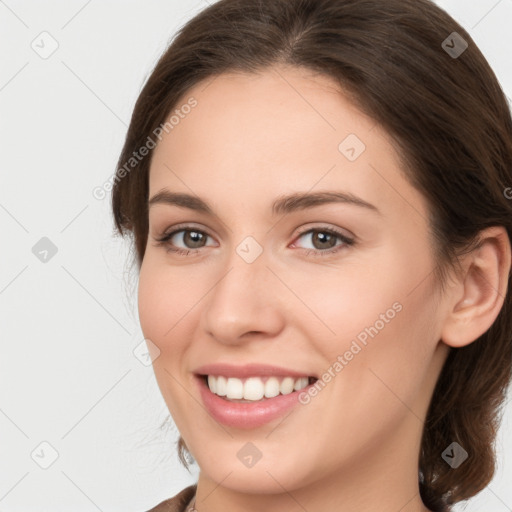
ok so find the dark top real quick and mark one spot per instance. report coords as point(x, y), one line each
point(178, 503)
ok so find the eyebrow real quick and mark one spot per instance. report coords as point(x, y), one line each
point(283, 204)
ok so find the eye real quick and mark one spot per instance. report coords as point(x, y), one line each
point(192, 239)
point(324, 241)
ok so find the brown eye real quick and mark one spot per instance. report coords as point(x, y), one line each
point(182, 241)
point(193, 239)
point(325, 241)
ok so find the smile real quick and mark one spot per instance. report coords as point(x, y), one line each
point(250, 396)
point(254, 388)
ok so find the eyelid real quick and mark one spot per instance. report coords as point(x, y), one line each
point(185, 226)
point(325, 227)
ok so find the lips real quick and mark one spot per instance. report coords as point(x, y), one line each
point(251, 395)
point(249, 370)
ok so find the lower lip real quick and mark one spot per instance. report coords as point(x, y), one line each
point(246, 415)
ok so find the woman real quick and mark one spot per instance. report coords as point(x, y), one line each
point(317, 195)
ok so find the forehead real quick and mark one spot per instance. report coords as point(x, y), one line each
point(275, 106)
point(281, 130)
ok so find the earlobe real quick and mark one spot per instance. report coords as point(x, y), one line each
point(483, 285)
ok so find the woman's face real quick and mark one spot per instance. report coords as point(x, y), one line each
point(338, 287)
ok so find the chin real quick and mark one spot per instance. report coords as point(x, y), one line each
point(278, 467)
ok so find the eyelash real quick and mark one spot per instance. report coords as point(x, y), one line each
point(164, 239)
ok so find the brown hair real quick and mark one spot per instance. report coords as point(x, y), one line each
point(452, 124)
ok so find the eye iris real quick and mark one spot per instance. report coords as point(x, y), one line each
point(323, 236)
point(193, 237)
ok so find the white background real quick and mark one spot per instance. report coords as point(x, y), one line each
point(68, 327)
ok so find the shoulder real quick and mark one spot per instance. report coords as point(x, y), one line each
point(178, 503)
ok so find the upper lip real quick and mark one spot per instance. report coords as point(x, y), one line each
point(248, 370)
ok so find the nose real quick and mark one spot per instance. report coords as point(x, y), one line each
point(244, 303)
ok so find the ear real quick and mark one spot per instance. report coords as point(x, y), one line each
point(480, 290)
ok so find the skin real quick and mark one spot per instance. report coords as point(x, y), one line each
point(355, 446)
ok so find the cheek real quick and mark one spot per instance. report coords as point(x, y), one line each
point(385, 348)
point(154, 303)
point(381, 317)
point(165, 306)
point(351, 302)
point(166, 297)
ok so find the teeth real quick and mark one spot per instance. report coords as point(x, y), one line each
point(254, 388)
point(272, 387)
point(234, 388)
point(287, 386)
point(221, 385)
point(212, 384)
